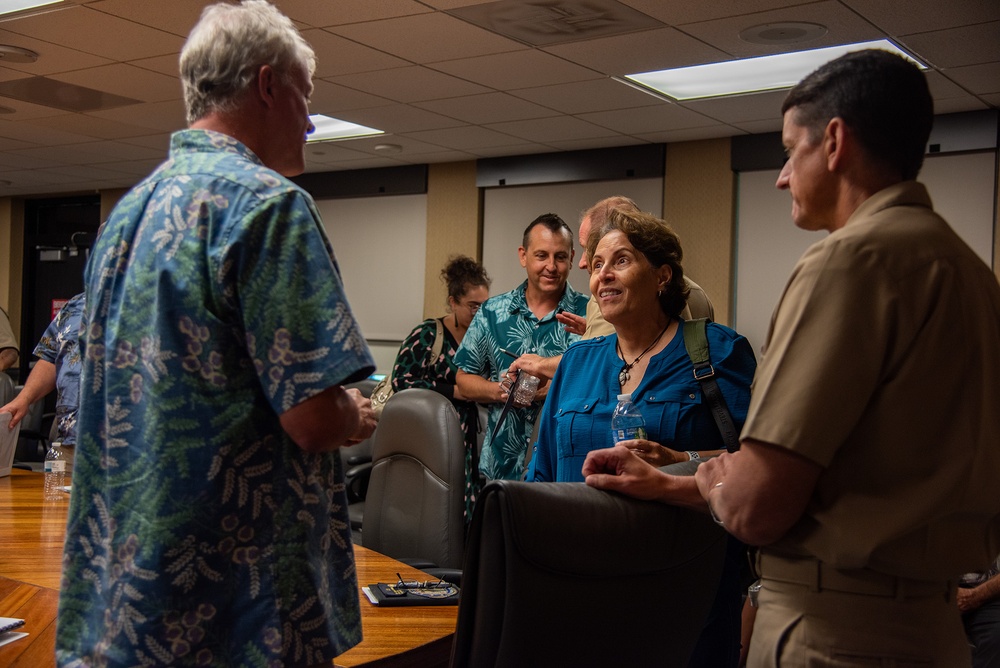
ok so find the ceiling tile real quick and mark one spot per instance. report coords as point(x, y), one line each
point(330, 98)
point(648, 119)
point(336, 55)
point(760, 127)
point(427, 38)
point(175, 16)
point(51, 57)
point(125, 80)
point(599, 142)
point(517, 69)
point(124, 40)
point(487, 108)
point(845, 27)
point(956, 104)
point(160, 116)
point(978, 79)
point(690, 134)
point(466, 138)
point(639, 52)
point(956, 47)
point(904, 17)
point(942, 86)
point(409, 84)
point(400, 118)
point(91, 126)
point(738, 108)
point(552, 129)
point(340, 12)
point(678, 13)
point(169, 65)
point(583, 96)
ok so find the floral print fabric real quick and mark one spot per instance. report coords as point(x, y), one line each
point(199, 533)
point(59, 346)
point(506, 323)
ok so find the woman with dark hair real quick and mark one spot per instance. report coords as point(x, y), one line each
point(637, 279)
point(468, 287)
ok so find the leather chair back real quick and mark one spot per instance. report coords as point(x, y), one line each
point(561, 574)
point(414, 507)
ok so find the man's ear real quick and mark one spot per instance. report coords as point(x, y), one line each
point(266, 79)
point(523, 255)
point(835, 143)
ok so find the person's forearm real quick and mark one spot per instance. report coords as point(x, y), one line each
point(987, 591)
point(8, 358)
point(477, 388)
point(40, 382)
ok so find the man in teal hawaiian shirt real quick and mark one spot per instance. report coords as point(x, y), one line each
point(57, 368)
point(517, 322)
point(208, 521)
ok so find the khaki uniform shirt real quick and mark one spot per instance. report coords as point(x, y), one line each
point(698, 306)
point(7, 339)
point(882, 365)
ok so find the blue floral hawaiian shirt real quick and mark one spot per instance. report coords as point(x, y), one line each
point(59, 346)
point(199, 533)
point(506, 323)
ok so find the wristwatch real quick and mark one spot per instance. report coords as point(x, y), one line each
point(693, 455)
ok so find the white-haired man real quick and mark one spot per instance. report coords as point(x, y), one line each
point(208, 520)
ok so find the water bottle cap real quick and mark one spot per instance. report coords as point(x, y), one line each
point(625, 397)
point(56, 444)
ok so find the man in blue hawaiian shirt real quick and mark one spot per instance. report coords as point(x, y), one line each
point(517, 322)
point(57, 368)
point(208, 522)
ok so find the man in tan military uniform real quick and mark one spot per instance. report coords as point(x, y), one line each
point(871, 451)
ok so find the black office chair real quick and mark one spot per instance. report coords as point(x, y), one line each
point(414, 509)
point(561, 574)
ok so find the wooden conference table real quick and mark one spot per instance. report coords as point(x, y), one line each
point(31, 541)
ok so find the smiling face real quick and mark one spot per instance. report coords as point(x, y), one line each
point(548, 260)
point(806, 177)
point(623, 280)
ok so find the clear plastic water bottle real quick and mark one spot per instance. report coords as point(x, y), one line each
point(626, 421)
point(56, 469)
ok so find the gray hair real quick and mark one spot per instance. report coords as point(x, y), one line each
point(226, 48)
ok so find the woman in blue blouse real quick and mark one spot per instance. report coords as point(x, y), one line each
point(637, 279)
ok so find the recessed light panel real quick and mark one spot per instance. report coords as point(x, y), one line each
point(329, 129)
point(750, 75)
point(11, 6)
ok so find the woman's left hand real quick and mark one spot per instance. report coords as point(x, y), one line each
point(654, 453)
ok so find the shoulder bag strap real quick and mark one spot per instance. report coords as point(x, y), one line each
point(696, 344)
point(438, 340)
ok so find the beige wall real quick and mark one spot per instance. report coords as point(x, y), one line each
point(454, 225)
point(698, 202)
point(11, 258)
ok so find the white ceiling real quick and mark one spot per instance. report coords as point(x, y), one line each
point(445, 89)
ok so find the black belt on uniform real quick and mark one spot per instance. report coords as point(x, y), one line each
point(818, 577)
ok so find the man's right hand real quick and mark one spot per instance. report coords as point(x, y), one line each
point(17, 409)
point(366, 416)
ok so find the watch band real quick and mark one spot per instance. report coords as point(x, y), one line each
point(693, 455)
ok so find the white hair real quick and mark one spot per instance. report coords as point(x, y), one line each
point(226, 48)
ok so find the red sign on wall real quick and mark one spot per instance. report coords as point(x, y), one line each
point(57, 304)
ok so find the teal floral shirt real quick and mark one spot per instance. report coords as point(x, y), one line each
point(199, 533)
point(58, 346)
point(506, 322)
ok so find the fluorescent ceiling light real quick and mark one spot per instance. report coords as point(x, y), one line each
point(11, 6)
point(329, 129)
point(749, 75)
